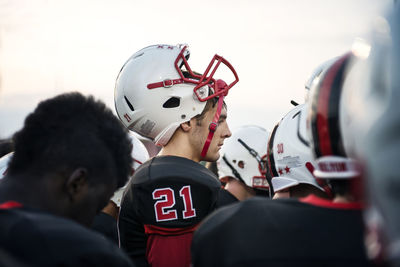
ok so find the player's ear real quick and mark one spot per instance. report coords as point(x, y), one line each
point(186, 126)
point(76, 183)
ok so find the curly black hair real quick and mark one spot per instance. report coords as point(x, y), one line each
point(71, 131)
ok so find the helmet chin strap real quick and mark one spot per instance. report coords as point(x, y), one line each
point(214, 124)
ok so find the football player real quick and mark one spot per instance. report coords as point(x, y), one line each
point(242, 164)
point(70, 156)
point(160, 97)
point(309, 231)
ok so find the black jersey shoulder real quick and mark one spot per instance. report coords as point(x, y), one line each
point(225, 198)
point(279, 232)
point(41, 239)
point(158, 186)
point(165, 167)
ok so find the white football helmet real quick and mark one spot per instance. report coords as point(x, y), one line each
point(139, 156)
point(156, 90)
point(243, 156)
point(4, 160)
point(315, 76)
point(289, 156)
point(324, 129)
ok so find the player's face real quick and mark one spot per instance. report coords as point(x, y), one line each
point(200, 134)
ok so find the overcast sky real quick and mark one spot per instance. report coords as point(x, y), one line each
point(52, 46)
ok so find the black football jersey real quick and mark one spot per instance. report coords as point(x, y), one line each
point(282, 232)
point(29, 237)
point(167, 195)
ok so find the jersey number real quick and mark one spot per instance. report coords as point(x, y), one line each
point(166, 200)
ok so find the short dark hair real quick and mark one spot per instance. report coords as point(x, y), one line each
point(71, 131)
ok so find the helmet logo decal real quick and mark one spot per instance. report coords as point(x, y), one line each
point(280, 148)
point(165, 46)
point(260, 182)
point(288, 163)
point(126, 116)
point(333, 166)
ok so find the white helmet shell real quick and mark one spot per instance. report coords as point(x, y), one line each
point(237, 154)
point(139, 156)
point(4, 160)
point(315, 76)
point(147, 111)
point(290, 159)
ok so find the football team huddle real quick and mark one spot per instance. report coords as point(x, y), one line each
point(80, 186)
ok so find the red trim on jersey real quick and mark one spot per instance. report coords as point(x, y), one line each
point(10, 205)
point(325, 203)
point(152, 229)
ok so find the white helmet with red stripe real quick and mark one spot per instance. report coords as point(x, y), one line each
point(289, 156)
point(243, 156)
point(139, 156)
point(327, 140)
point(156, 90)
point(4, 160)
point(315, 76)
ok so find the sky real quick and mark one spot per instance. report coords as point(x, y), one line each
point(48, 47)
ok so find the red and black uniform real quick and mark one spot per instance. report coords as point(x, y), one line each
point(282, 232)
point(167, 198)
point(30, 237)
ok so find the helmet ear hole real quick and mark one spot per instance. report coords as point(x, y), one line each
point(173, 102)
point(241, 164)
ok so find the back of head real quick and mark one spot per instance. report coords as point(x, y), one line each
point(71, 131)
point(289, 156)
point(243, 156)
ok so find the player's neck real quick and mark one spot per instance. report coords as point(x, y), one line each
point(21, 191)
point(179, 145)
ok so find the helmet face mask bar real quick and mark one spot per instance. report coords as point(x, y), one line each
point(198, 80)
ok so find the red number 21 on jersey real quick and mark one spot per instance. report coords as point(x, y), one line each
point(166, 200)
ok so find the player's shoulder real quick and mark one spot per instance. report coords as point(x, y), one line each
point(174, 168)
point(64, 239)
point(240, 213)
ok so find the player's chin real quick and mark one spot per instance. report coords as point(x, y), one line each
point(215, 156)
point(212, 156)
